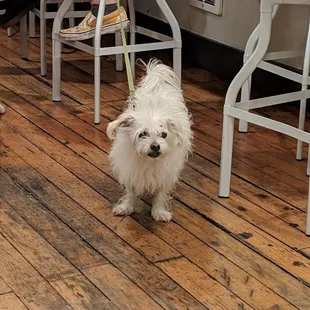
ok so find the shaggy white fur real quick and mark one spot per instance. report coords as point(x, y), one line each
point(151, 141)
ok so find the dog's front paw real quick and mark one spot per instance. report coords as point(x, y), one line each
point(161, 215)
point(123, 208)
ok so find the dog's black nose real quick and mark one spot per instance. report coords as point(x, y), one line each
point(155, 147)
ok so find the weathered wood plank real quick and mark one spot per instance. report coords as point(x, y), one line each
point(118, 252)
point(11, 302)
point(26, 282)
point(4, 287)
point(118, 288)
point(42, 256)
point(81, 294)
point(57, 233)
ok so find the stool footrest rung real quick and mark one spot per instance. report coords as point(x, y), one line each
point(273, 100)
point(268, 123)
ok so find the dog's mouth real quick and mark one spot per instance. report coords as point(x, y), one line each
point(154, 154)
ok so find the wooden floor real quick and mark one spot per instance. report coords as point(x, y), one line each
point(60, 245)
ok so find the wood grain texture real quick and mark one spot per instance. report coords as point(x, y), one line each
point(64, 249)
point(30, 287)
point(81, 294)
point(42, 256)
point(4, 287)
point(118, 288)
point(11, 302)
point(57, 233)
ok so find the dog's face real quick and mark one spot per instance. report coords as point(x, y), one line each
point(152, 137)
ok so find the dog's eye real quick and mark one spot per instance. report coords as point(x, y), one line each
point(143, 134)
point(163, 135)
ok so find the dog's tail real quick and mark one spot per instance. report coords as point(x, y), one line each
point(157, 74)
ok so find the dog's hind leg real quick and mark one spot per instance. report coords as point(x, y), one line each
point(126, 205)
point(161, 210)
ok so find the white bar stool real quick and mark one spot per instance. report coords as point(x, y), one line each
point(44, 15)
point(23, 31)
point(166, 42)
point(254, 54)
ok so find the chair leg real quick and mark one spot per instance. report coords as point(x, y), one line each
point(119, 57)
point(308, 165)
point(226, 155)
point(71, 19)
point(97, 89)
point(97, 68)
point(308, 214)
point(245, 96)
point(24, 38)
point(61, 27)
point(246, 87)
point(231, 97)
point(132, 16)
point(177, 62)
point(176, 33)
point(57, 48)
point(56, 69)
point(43, 37)
point(303, 102)
point(10, 32)
point(32, 25)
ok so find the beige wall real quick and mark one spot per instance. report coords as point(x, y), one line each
point(238, 20)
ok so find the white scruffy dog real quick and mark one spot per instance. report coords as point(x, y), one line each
point(151, 141)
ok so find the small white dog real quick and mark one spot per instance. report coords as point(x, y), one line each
point(151, 141)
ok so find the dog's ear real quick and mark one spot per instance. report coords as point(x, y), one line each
point(123, 121)
point(176, 130)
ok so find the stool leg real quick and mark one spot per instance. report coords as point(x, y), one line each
point(61, 26)
point(246, 87)
point(24, 38)
point(10, 32)
point(119, 57)
point(56, 69)
point(177, 63)
point(57, 48)
point(132, 16)
point(71, 19)
point(97, 89)
point(308, 165)
point(308, 214)
point(245, 96)
point(176, 33)
point(226, 154)
point(32, 25)
point(97, 61)
point(303, 102)
point(43, 37)
point(231, 97)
